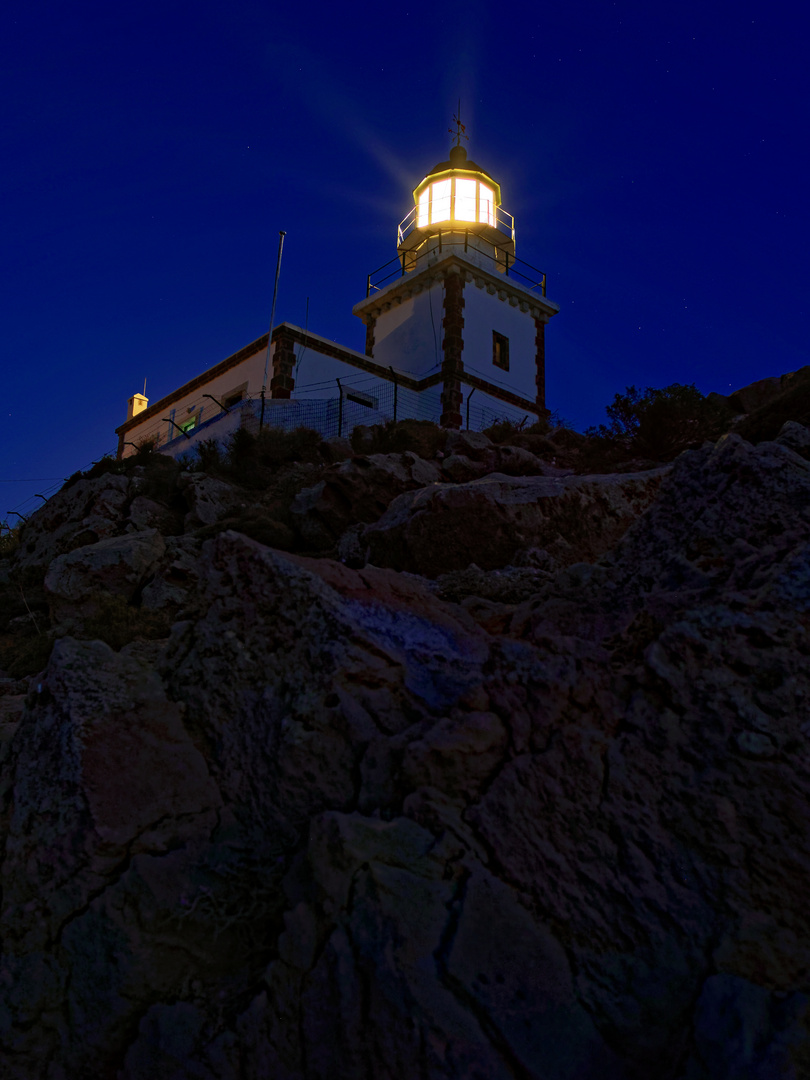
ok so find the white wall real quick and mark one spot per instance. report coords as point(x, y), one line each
point(317, 374)
point(249, 370)
point(404, 335)
point(430, 404)
point(484, 313)
point(485, 410)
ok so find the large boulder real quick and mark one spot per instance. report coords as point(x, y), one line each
point(356, 490)
point(111, 802)
point(84, 513)
point(209, 499)
point(335, 827)
point(118, 566)
point(513, 459)
point(489, 521)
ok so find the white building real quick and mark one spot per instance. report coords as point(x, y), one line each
point(455, 332)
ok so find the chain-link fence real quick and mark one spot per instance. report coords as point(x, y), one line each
point(368, 401)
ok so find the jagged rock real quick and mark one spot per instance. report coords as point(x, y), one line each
point(351, 549)
point(536, 443)
point(209, 499)
point(511, 585)
point(770, 403)
point(795, 437)
point(459, 468)
point(119, 565)
point(517, 461)
point(487, 521)
point(535, 558)
point(354, 491)
point(12, 707)
point(88, 511)
point(176, 580)
point(110, 798)
point(146, 513)
point(740, 1030)
point(259, 524)
point(336, 449)
point(365, 437)
point(566, 437)
point(474, 445)
point(339, 825)
point(756, 394)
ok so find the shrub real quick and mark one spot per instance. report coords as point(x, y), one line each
point(9, 539)
point(274, 446)
point(503, 430)
point(421, 437)
point(660, 423)
point(209, 456)
point(253, 460)
point(146, 453)
point(24, 653)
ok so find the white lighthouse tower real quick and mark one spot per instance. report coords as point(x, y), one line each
point(456, 308)
point(454, 318)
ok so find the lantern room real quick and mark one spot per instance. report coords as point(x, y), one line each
point(457, 203)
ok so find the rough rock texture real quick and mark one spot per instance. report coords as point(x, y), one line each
point(359, 823)
point(120, 565)
point(770, 403)
point(90, 510)
point(356, 490)
point(209, 499)
point(488, 521)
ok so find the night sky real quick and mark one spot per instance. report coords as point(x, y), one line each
point(655, 158)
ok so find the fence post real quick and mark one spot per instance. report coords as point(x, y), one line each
point(396, 387)
point(468, 405)
point(340, 408)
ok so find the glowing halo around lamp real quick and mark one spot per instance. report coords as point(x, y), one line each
point(457, 202)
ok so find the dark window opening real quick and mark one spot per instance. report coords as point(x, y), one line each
point(235, 395)
point(500, 351)
point(359, 398)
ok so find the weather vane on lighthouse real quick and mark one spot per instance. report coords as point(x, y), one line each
point(460, 132)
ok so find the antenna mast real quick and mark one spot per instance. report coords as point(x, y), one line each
point(281, 235)
point(461, 131)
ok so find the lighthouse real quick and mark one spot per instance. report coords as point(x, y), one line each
point(455, 333)
point(456, 307)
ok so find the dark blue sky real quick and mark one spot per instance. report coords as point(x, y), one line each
point(654, 156)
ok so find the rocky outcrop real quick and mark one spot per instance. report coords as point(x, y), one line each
point(89, 511)
point(546, 821)
point(119, 566)
point(356, 490)
point(209, 499)
point(769, 403)
point(489, 521)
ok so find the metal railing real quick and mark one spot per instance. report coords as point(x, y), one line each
point(501, 220)
point(510, 264)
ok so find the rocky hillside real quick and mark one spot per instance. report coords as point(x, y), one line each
point(441, 762)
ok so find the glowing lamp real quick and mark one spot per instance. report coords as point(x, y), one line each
point(456, 200)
